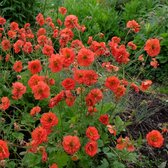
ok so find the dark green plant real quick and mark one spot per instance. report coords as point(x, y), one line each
point(20, 11)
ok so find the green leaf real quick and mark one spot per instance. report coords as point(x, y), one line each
point(31, 160)
point(117, 164)
point(59, 157)
point(19, 136)
point(104, 164)
point(100, 143)
point(105, 107)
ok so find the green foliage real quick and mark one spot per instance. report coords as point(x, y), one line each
point(20, 11)
point(95, 17)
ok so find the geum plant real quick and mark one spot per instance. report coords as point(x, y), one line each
point(61, 107)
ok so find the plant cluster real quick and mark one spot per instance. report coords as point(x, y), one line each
point(60, 98)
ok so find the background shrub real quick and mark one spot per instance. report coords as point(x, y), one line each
point(20, 11)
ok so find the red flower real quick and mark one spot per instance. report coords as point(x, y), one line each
point(68, 84)
point(48, 50)
point(34, 80)
point(5, 45)
point(93, 97)
point(62, 10)
point(2, 20)
point(119, 91)
point(14, 26)
point(35, 110)
point(154, 63)
point(5, 103)
point(55, 63)
point(145, 85)
point(71, 21)
point(39, 135)
point(27, 48)
point(68, 56)
point(104, 119)
point(132, 24)
point(77, 44)
point(17, 67)
point(42, 40)
point(85, 57)
point(41, 31)
point(71, 144)
point(135, 87)
point(34, 66)
point(18, 90)
point(17, 46)
point(98, 48)
point(55, 33)
point(90, 77)
point(91, 148)
point(132, 45)
point(4, 152)
point(152, 47)
point(112, 83)
point(92, 133)
point(12, 34)
point(54, 165)
point(112, 129)
point(69, 98)
point(41, 91)
point(155, 139)
point(48, 120)
point(40, 19)
point(125, 143)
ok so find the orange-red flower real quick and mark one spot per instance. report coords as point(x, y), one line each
point(41, 91)
point(155, 139)
point(54, 165)
point(71, 144)
point(40, 19)
point(17, 46)
point(35, 110)
point(17, 67)
point(39, 135)
point(112, 83)
point(4, 152)
point(18, 90)
point(68, 84)
point(5, 103)
point(132, 45)
point(93, 97)
point(28, 48)
point(68, 56)
point(152, 47)
point(34, 80)
point(55, 63)
point(62, 10)
point(132, 24)
point(34, 66)
point(154, 63)
point(2, 20)
point(125, 143)
point(48, 50)
point(85, 57)
point(111, 129)
point(71, 21)
point(14, 26)
point(92, 133)
point(5, 45)
point(91, 148)
point(104, 119)
point(48, 120)
point(145, 85)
